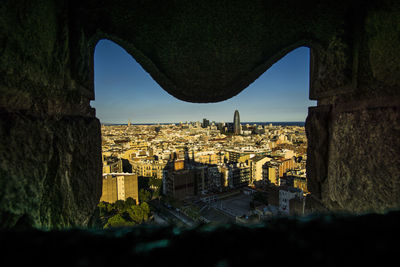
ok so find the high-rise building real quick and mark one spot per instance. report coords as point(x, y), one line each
point(205, 123)
point(236, 123)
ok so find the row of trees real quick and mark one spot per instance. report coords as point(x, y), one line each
point(123, 213)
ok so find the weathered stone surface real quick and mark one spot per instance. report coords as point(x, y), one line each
point(331, 69)
point(382, 29)
point(50, 170)
point(317, 130)
point(50, 155)
point(363, 173)
point(363, 165)
point(208, 51)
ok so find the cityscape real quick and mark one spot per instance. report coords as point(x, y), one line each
point(189, 173)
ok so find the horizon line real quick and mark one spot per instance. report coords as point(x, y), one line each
point(195, 121)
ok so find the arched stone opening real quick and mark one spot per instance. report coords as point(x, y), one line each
point(46, 89)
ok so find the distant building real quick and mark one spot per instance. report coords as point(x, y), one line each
point(220, 126)
point(270, 172)
point(275, 169)
point(214, 177)
point(297, 206)
point(256, 164)
point(205, 123)
point(112, 164)
point(207, 157)
point(119, 186)
point(236, 123)
point(273, 196)
point(148, 168)
point(180, 184)
point(285, 196)
point(238, 175)
point(179, 165)
point(285, 165)
point(297, 179)
point(202, 183)
point(237, 156)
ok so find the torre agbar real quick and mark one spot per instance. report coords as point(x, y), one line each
point(236, 122)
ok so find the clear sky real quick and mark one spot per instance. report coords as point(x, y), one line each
point(124, 91)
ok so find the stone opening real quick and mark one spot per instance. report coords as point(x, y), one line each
point(125, 92)
point(46, 85)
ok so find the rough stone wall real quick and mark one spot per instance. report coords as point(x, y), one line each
point(363, 172)
point(48, 166)
point(353, 133)
point(50, 157)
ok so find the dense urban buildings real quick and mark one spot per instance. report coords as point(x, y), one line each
point(207, 168)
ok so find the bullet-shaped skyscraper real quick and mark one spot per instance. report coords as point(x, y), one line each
point(236, 123)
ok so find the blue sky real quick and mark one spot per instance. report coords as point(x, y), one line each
point(124, 91)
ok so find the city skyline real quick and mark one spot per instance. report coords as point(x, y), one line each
point(202, 173)
point(124, 91)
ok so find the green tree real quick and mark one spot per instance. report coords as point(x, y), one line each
point(102, 206)
point(145, 210)
point(106, 209)
point(130, 202)
point(117, 221)
point(144, 195)
point(136, 214)
point(110, 208)
point(155, 182)
point(120, 205)
point(157, 185)
point(124, 213)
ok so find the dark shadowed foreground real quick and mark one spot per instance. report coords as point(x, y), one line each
point(329, 240)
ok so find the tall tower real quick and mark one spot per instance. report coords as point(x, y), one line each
point(236, 123)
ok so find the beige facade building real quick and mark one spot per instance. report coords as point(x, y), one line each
point(256, 164)
point(119, 186)
point(285, 165)
point(148, 168)
point(209, 158)
point(270, 172)
point(237, 156)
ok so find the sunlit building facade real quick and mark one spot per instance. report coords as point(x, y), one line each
point(119, 186)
